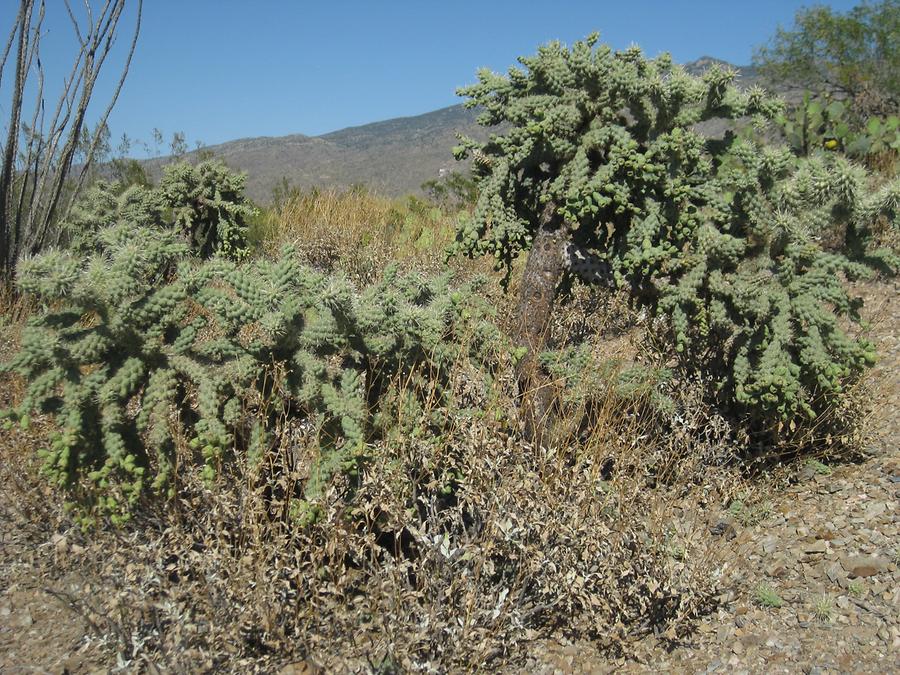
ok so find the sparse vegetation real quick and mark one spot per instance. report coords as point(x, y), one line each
point(304, 433)
point(823, 609)
point(768, 597)
point(819, 467)
point(749, 515)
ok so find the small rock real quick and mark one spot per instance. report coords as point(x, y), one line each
point(769, 544)
point(24, 619)
point(818, 546)
point(865, 565)
point(835, 573)
point(752, 640)
point(300, 668)
point(724, 633)
point(60, 543)
point(806, 473)
point(723, 529)
point(776, 569)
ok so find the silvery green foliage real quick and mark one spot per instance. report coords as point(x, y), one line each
point(208, 207)
point(719, 236)
point(205, 204)
point(106, 204)
point(129, 360)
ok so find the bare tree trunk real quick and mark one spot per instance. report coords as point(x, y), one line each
point(9, 220)
point(543, 272)
point(36, 161)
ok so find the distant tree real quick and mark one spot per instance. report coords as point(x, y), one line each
point(178, 145)
point(158, 140)
point(45, 157)
point(853, 53)
point(128, 171)
point(284, 193)
point(453, 191)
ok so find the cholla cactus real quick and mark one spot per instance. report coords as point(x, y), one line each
point(105, 204)
point(602, 160)
point(208, 205)
point(204, 203)
point(122, 349)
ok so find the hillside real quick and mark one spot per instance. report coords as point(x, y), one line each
point(394, 156)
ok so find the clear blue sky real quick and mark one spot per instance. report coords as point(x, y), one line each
point(225, 69)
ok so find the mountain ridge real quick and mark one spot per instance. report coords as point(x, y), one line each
point(392, 157)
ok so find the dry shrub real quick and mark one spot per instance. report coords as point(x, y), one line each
point(15, 309)
point(456, 548)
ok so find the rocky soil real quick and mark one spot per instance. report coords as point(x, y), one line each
point(39, 631)
point(812, 571)
point(812, 588)
point(809, 578)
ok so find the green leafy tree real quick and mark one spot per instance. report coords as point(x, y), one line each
point(853, 53)
point(453, 191)
point(602, 173)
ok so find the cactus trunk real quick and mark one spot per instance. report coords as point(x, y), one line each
point(543, 271)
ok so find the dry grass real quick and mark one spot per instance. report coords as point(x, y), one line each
point(14, 311)
point(358, 232)
point(455, 549)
